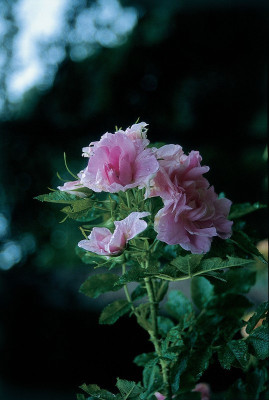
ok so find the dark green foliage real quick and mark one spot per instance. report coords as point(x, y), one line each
point(142, 359)
point(253, 387)
point(234, 353)
point(261, 312)
point(258, 342)
point(98, 284)
point(138, 292)
point(97, 393)
point(152, 380)
point(239, 210)
point(128, 390)
point(180, 307)
point(164, 325)
point(201, 291)
point(243, 241)
point(59, 197)
point(114, 311)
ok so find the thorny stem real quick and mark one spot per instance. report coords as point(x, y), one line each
point(154, 331)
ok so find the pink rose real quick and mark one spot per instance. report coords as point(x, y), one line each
point(192, 214)
point(159, 396)
point(203, 388)
point(119, 161)
point(101, 241)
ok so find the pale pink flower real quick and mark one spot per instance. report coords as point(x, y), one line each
point(72, 188)
point(119, 161)
point(192, 214)
point(101, 241)
point(203, 388)
point(159, 396)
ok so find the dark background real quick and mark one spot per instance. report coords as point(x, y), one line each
point(196, 73)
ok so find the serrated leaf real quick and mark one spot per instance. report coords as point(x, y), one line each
point(152, 379)
point(128, 389)
point(137, 274)
point(259, 342)
point(97, 393)
point(79, 209)
point(238, 210)
point(234, 353)
point(260, 313)
point(179, 307)
point(201, 291)
point(187, 264)
point(58, 196)
point(177, 370)
point(243, 241)
point(99, 284)
point(114, 311)
point(216, 263)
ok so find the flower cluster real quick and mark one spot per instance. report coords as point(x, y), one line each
point(192, 212)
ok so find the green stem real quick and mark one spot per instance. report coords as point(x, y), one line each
point(126, 291)
point(128, 199)
point(154, 331)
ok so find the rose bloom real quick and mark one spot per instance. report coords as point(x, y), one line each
point(203, 388)
point(101, 241)
point(119, 161)
point(192, 214)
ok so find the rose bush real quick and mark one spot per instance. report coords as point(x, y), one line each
point(126, 180)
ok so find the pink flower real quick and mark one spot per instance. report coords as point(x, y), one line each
point(159, 396)
point(203, 388)
point(101, 241)
point(119, 161)
point(192, 214)
point(72, 188)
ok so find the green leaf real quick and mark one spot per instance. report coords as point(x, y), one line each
point(81, 396)
point(137, 274)
point(260, 313)
point(201, 291)
point(238, 210)
point(139, 292)
point(152, 379)
point(234, 353)
point(216, 263)
point(198, 362)
point(180, 307)
point(97, 393)
point(164, 325)
point(259, 342)
point(78, 209)
point(237, 280)
point(177, 370)
point(251, 387)
point(99, 284)
point(114, 311)
point(58, 196)
point(243, 241)
point(128, 389)
point(142, 359)
point(187, 264)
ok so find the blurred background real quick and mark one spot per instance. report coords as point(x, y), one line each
point(195, 71)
